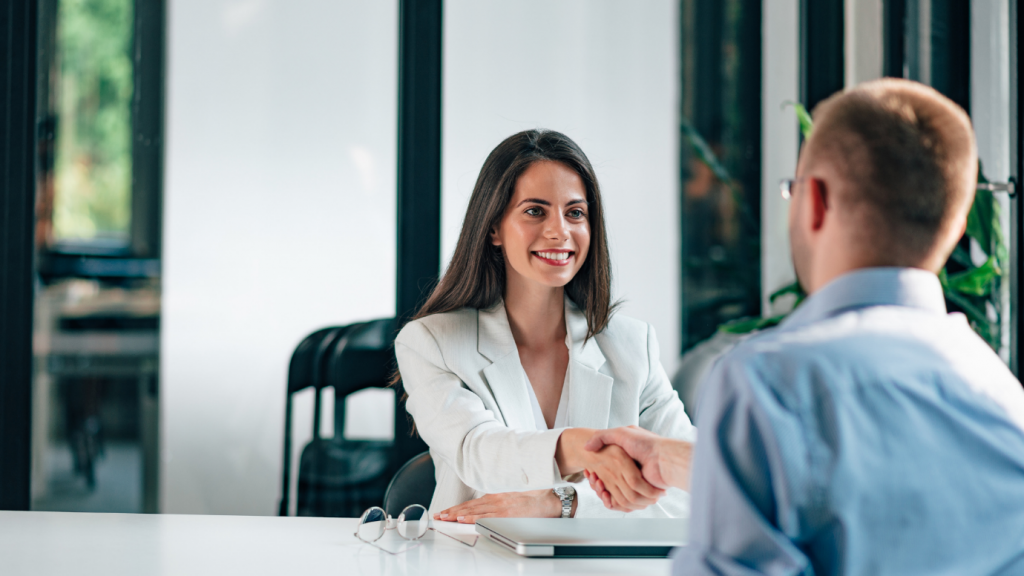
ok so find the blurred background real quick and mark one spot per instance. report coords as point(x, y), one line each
point(215, 181)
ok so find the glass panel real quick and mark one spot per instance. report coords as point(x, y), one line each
point(96, 322)
point(93, 171)
point(720, 158)
point(279, 219)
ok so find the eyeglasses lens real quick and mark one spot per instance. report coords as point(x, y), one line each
point(372, 525)
point(413, 522)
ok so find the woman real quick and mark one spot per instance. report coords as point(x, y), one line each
point(516, 357)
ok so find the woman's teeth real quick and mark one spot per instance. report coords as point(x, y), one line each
point(555, 255)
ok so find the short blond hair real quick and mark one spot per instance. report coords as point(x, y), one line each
point(905, 150)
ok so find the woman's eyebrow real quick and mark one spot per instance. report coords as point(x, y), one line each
point(534, 201)
point(546, 203)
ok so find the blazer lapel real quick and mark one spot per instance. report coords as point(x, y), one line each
point(505, 375)
point(590, 391)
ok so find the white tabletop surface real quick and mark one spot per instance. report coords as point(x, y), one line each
point(52, 543)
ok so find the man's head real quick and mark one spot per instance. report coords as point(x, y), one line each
point(886, 179)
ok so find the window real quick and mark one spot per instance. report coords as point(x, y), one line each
point(720, 147)
point(92, 100)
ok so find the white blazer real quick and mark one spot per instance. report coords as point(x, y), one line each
point(468, 397)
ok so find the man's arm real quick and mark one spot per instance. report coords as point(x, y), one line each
point(750, 481)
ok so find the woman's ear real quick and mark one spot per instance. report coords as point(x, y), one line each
point(495, 239)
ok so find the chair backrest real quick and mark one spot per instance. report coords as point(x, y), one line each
point(305, 369)
point(414, 483)
point(306, 366)
point(363, 358)
point(347, 359)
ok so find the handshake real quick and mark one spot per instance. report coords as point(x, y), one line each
point(631, 468)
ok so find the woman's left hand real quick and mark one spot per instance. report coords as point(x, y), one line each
point(532, 504)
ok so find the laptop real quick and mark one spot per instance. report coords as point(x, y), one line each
point(586, 537)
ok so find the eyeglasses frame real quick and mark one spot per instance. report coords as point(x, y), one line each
point(401, 518)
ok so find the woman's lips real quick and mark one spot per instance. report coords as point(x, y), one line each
point(555, 257)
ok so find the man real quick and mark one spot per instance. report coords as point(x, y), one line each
point(870, 432)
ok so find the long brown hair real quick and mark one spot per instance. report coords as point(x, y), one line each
point(476, 276)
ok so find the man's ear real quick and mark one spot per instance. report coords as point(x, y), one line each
point(818, 199)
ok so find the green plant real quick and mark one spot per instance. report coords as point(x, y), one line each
point(972, 288)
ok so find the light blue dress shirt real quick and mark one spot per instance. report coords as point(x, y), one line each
point(869, 433)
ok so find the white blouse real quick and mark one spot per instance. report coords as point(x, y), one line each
point(561, 417)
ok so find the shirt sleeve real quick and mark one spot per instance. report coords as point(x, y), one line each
point(747, 480)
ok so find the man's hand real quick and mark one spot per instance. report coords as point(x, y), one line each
point(625, 484)
point(662, 461)
point(622, 481)
point(532, 504)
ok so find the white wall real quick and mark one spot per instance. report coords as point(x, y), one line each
point(604, 72)
point(780, 139)
point(990, 113)
point(279, 219)
point(863, 41)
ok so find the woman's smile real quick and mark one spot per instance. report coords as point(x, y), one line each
point(555, 257)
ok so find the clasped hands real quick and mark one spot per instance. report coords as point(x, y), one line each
point(629, 468)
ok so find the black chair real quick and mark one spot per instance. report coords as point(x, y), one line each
point(339, 477)
point(306, 369)
point(414, 483)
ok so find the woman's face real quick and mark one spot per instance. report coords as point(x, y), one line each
point(545, 231)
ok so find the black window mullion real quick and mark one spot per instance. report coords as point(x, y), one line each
point(17, 203)
point(822, 53)
point(420, 33)
point(894, 37)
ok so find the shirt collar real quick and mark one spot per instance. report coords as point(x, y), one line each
point(909, 287)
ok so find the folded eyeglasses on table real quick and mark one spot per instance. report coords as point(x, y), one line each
point(412, 525)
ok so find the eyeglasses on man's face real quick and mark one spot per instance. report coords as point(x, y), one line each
point(787, 185)
point(412, 524)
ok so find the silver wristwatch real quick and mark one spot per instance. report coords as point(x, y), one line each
point(566, 494)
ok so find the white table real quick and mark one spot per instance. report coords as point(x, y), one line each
point(68, 543)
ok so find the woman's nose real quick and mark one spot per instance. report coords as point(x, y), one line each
point(557, 227)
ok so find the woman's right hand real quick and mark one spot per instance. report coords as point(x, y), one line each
point(618, 472)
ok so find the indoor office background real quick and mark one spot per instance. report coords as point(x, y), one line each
point(210, 182)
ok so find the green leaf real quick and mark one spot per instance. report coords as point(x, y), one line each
point(982, 219)
point(793, 288)
point(705, 153)
point(983, 223)
point(748, 325)
point(806, 123)
point(978, 318)
point(976, 282)
point(961, 257)
point(973, 313)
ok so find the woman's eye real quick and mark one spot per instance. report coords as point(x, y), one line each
point(576, 213)
point(534, 211)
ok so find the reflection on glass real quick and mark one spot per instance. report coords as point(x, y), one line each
point(96, 325)
point(93, 163)
point(720, 143)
